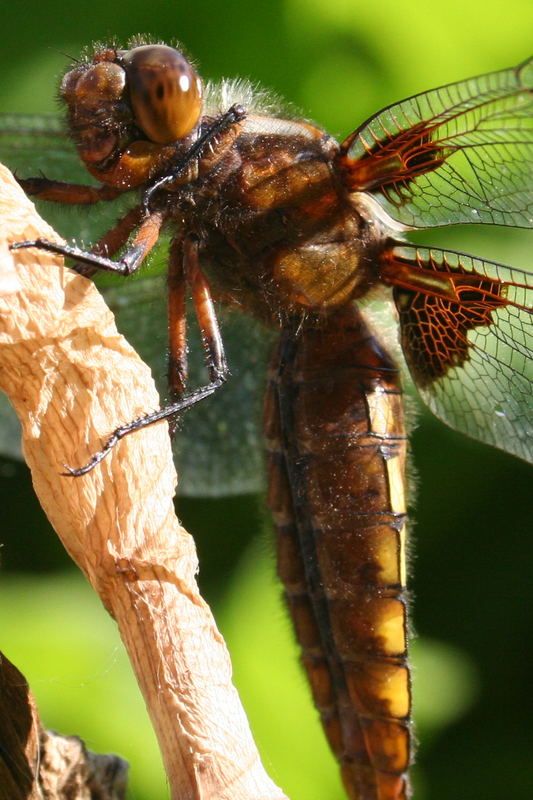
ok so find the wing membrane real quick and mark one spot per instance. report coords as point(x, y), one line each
point(462, 153)
point(469, 347)
point(219, 444)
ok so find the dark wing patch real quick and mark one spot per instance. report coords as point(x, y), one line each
point(462, 153)
point(467, 336)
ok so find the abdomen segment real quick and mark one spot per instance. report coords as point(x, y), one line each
point(336, 464)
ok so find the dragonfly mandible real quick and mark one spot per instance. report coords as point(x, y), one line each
point(270, 215)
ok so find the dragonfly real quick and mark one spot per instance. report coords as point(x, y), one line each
point(269, 215)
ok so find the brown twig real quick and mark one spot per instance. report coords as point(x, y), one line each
point(72, 379)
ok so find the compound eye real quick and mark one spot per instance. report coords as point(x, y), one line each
point(90, 86)
point(165, 92)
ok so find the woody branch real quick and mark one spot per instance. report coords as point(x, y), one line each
point(72, 380)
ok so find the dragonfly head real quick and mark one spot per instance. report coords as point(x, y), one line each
point(127, 109)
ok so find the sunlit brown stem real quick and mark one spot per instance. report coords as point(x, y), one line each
point(73, 379)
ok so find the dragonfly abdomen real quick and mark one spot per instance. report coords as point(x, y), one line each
point(336, 456)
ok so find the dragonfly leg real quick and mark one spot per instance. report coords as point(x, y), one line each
point(184, 269)
point(111, 242)
point(215, 356)
point(69, 193)
point(145, 239)
point(118, 235)
point(177, 321)
point(167, 412)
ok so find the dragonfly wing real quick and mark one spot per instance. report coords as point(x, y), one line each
point(219, 443)
point(467, 336)
point(462, 153)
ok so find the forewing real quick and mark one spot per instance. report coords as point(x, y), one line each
point(466, 333)
point(219, 444)
point(462, 153)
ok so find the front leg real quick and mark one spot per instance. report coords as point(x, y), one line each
point(68, 193)
point(144, 241)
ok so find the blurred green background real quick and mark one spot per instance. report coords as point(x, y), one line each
point(339, 61)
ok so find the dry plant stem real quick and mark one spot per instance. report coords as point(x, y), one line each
point(72, 379)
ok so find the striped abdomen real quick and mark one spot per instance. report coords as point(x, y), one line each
point(336, 443)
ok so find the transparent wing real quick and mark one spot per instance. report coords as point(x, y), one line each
point(220, 445)
point(462, 153)
point(466, 329)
